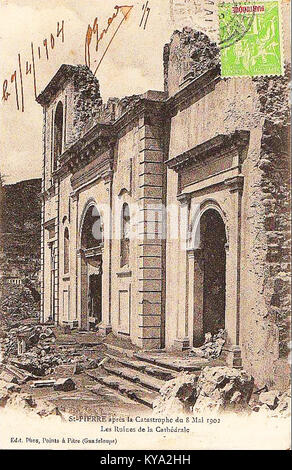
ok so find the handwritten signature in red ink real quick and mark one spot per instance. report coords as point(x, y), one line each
point(94, 31)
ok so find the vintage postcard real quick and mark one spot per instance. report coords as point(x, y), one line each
point(145, 254)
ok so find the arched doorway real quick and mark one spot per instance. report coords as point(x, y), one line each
point(213, 241)
point(91, 269)
point(209, 277)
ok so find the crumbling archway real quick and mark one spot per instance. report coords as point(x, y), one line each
point(91, 251)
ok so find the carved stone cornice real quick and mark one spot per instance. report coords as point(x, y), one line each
point(150, 109)
point(99, 139)
point(219, 144)
point(235, 184)
point(64, 74)
point(101, 167)
point(183, 198)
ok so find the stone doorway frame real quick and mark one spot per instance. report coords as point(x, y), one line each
point(83, 272)
point(195, 278)
point(234, 187)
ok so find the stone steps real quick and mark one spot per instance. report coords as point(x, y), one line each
point(134, 376)
point(124, 387)
point(140, 375)
point(172, 363)
point(155, 371)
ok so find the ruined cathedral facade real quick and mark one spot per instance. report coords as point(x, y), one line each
point(166, 215)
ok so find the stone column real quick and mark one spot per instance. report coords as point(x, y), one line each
point(198, 318)
point(233, 259)
point(74, 259)
point(105, 326)
point(57, 255)
point(182, 340)
point(83, 289)
point(43, 269)
point(42, 312)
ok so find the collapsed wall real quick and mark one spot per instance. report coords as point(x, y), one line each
point(87, 105)
point(188, 52)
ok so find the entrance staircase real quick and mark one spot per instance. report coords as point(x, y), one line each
point(140, 375)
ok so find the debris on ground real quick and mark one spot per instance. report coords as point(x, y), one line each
point(64, 384)
point(43, 383)
point(223, 388)
point(271, 399)
point(40, 358)
point(38, 361)
point(177, 395)
point(30, 404)
point(9, 386)
point(273, 403)
point(215, 389)
point(4, 396)
point(212, 347)
point(28, 336)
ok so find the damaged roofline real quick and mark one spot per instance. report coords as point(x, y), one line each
point(63, 74)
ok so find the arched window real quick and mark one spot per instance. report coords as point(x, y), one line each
point(58, 132)
point(66, 250)
point(125, 235)
point(92, 231)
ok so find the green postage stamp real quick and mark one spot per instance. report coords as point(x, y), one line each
point(250, 39)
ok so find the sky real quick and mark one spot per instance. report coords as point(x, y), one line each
point(133, 63)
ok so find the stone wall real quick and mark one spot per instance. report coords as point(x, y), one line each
point(87, 101)
point(188, 51)
point(259, 105)
point(266, 333)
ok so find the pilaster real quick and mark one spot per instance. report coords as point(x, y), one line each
point(105, 327)
point(233, 261)
point(151, 275)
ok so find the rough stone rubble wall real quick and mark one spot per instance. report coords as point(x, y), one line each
point(187, 51)
point(271, 249)
point(265, 271)
point(87, 105)
point(87, 101)
point(275, 184)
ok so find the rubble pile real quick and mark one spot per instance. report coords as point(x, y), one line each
point(16, 304)
point(42, 354)
point(223, 388)
point(39, 337)
point(273, 403)
point(217, 390)
point(177, 395)
point(212, 347)
point(38, 357)
point(24, 401)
